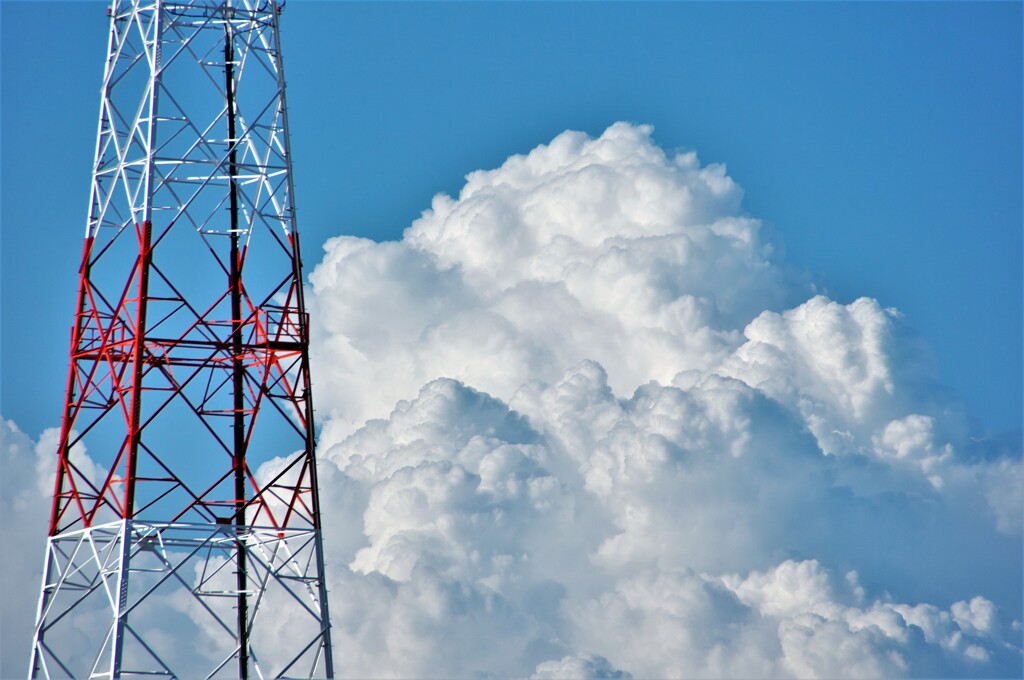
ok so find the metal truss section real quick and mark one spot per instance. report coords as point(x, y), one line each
point(189, 383)
point(189, 194)
point(123, 581)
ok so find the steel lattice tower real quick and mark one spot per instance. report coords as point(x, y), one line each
point(187, 543)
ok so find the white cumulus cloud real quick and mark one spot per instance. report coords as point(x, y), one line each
point(642, 262)
point(584, 421)
point(27, 470)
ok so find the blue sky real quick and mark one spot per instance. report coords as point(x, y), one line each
point(882, 140)
point(565, 341)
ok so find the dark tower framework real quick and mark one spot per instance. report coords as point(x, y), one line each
point(187, 542)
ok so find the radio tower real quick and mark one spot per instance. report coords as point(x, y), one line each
point(187, 542)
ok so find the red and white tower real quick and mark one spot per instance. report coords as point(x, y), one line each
point(185, 533)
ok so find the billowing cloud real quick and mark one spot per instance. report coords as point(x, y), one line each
point(26, 481)
point(602, 249)
point(584, 421)
point(634, 531)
